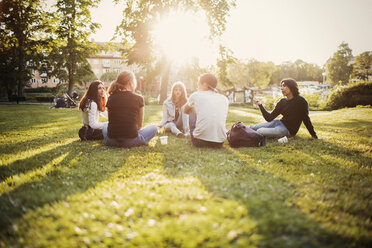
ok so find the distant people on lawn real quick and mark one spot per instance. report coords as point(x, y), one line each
point(207, 110)
point(125, 114)
point(92, 105)
point(174, 118)
point(294, 109)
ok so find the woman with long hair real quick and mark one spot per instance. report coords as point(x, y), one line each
point(125, 114)
point(92, 105)
point(294, 109)
point(174, 119)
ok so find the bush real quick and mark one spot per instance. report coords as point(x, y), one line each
point(312, 99)
point(351, 95)
point(40, 90)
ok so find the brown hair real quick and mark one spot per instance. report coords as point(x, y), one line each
point(91, 94)
point(183, 98)
point(210, 80)
point(122, 81)
point(291, 84)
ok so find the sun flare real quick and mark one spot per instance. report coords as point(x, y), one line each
point(185, 35)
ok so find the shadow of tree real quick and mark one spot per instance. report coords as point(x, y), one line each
point(270, 199)
point(69, 177)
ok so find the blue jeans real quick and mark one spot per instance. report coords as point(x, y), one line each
point(199, 142)
point(272, 129)
point(143, 138)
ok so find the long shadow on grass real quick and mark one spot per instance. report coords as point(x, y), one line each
point(239, 175)
point(35, 161)
point(79, 171)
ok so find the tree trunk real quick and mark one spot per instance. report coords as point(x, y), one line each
point(164, 79)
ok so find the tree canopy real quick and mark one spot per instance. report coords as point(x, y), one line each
point(71, 47)
point(140, 15)
point(21, 42)
point(339, 67)
point(362, 66)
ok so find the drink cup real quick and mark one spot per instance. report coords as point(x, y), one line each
point(163, 140)
point(283, 139)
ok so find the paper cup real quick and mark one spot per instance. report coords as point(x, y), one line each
point(163, 140)
point(283, 139)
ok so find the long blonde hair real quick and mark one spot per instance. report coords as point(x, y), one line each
point(183, 98)
point(122, 81)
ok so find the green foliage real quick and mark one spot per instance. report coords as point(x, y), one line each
point(225, 59)
point(339, 68)
point(71, 47)
point(351, 95)
point(108, 77)
point(313, 100)
point(362, 66)
point(139, 16)
point(59, 192)
point(21, 42)
point(299, 70)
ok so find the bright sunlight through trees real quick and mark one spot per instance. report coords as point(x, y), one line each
point(184, 35)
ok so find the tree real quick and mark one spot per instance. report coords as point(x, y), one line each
point(21, 42)
point(238, 74)
point(339, 68)
point(109, 76)
point(224, 60)
point(71, 47)
point(190, 72)
point(362, 66)
point(260, 73)
point(140, 15)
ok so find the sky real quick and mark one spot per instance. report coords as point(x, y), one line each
point(279, 30)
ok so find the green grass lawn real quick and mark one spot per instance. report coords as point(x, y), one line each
point(56, 191)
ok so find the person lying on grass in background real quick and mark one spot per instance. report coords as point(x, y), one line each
point(125, 114)
point(92, 105)
point(174, 117)
point(207, 112)
point(294, 109)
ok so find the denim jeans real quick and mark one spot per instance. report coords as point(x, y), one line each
point(272, 129)
point(143, 138)
point(199, 142)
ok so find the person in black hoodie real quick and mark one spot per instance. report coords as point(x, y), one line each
point(294, 109)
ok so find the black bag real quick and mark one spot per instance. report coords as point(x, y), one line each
point(241, 136)
point(88, 133)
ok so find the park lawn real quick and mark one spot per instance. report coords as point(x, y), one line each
point(56, 191)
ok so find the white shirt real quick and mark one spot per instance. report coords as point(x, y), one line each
point(211, 111)
point(91, 116)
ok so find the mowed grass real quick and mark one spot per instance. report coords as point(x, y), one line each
point(56, 191)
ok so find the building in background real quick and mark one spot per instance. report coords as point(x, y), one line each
point(106, 60)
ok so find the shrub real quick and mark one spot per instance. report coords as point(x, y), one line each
point(39, 90)
point(312, 99)
point(351, 95)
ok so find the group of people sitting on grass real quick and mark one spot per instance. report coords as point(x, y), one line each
point(202, 116)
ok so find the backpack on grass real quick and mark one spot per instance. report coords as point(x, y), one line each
point(88, 133)
point(242, 136)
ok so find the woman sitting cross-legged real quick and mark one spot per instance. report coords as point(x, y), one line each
point(92, 105)
point(294, 109)
point(174, 118)
point(125, 114)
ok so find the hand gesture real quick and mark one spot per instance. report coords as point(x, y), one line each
point(256, 102)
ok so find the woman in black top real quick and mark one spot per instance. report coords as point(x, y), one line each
point(294, 109)
point(125, 114)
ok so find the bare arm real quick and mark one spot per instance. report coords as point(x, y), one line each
point(141, 114)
